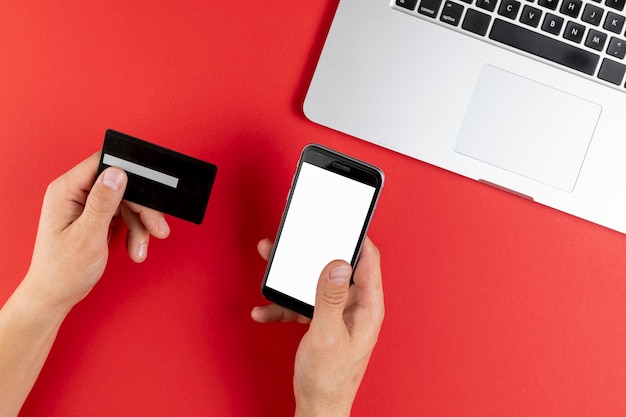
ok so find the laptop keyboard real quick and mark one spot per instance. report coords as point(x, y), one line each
point(584, 36)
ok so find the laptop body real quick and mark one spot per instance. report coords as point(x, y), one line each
point(416, 78)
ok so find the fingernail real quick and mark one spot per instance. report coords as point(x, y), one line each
point(112, 179)
point(142, 251)
point(163, 226)
point(340, 275)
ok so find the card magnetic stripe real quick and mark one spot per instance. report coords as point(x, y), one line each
point(140, 170)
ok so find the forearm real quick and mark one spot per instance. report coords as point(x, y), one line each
point(27, 332)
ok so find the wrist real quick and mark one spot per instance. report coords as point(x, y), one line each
point(36, 307)
point(317, 408)
point(320, 412)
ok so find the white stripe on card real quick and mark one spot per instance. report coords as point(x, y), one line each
point(140, 170)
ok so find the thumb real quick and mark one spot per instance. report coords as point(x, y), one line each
point(103, 200)
point(332, 292)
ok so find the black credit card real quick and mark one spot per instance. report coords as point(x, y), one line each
point(159, 178)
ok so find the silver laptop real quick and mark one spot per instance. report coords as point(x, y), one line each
point(525, 95)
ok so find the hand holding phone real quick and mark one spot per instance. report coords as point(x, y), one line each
point(330, 206)
point(334, 353)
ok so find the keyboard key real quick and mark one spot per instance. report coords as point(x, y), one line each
point(543, 46)
point(617, 48)
point(407, 4)
point(614, 22)
point(530, 16)
point(550, 4)
point(574, 32)
point(612, 71)
point(487, 4)
point(451, 13)
point(592, 14)
point(552, 24)
point(429, 7)
point(571, 8)
point(596, 40)
point(509, 8)
point(476, 22)
point(616, 4)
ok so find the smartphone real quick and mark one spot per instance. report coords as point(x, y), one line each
point(329, 208)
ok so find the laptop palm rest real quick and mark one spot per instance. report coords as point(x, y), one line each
point(527, 128)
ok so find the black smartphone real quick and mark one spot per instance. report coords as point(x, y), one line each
point(329, 208)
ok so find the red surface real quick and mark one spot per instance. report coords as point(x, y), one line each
point(495, 305)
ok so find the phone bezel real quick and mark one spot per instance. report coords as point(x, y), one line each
point(340, 164)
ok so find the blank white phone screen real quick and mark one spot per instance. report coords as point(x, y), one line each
point(324, 222)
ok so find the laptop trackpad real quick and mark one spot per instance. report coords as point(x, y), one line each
point(527, 128)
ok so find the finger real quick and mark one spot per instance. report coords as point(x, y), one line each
point(367, 273)
point(102, 202)
point(265, 248)
point(138, 236)
point(83, 175)
point(153, 220)
point(73, 187)
point(367, 291)
point(274, 313)
point(332, 294)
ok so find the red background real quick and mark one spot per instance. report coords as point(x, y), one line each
point(495, 305)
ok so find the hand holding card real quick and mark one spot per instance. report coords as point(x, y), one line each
point(160, 178)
